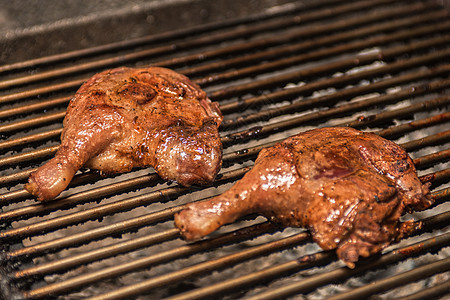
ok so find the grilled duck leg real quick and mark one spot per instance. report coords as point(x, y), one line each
point(125, 118)
point(347, 187)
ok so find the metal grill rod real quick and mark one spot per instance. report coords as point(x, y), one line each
point(67, 85)
point(429, 293)
point(297, 106)
point(210, 39)
point(282, 40)
point(201, 268)
point(431, 140)
point(158, 281)
point(307, 284)
point(49, 103)
point(404, 278)
point(402, 129)
point(397, 131)
point(318, 53)
point(326, 100)
point(357, 60)
point(260, 277)
point(405, 112)
point(287, 45)
point(13, 179)
point(288, 94)
point(273, 96)
point(28, 156)
point(347, 93)
point(8, 145)
point(308, 118)
point(38, 106)
point(186, 250)
point(32, 122)
point(162, 37)
point(432, 159)
point(162, 195)
point(16, 159)
point(440, 177)
point(79, 179)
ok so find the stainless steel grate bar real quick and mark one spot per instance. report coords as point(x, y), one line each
point(308, 284)
point(235, 33)
point(386, 284)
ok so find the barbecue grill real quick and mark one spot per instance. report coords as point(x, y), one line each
point(278, 68)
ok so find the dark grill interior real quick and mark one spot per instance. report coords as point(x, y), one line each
point(377, 65)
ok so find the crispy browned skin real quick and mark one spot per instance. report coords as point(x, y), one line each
point(125, 118)
point(347, 187)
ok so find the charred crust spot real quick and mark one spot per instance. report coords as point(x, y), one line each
point(402, 166)
point(182, 93)
point(180, 123)
point(149, 95)
point(140, 93)
point(91, 106)
point(209, 122)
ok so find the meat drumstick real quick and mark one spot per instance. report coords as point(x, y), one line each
point(349, 188)
point(125, 118)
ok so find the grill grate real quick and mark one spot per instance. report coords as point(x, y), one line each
point(381, 66)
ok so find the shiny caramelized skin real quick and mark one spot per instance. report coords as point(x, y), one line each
point(125, 118)
point(349, 188)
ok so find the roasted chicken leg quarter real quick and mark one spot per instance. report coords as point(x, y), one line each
point(125, 118)
point(349, 188)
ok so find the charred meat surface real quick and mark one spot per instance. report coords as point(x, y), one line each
point(125, 118)
point(348, 187)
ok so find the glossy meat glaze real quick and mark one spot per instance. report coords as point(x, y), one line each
point(349, 188)
point(125, 118)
